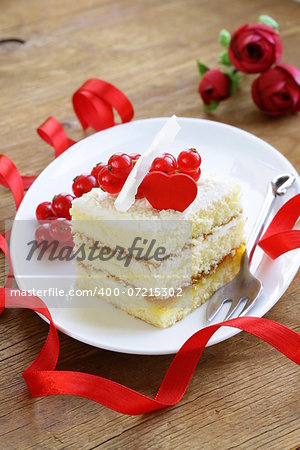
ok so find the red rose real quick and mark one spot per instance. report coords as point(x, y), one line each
point(277, 91)
point(214, 86)
point(254, 48)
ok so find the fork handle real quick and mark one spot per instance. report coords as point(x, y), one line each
point(261, 222)
point(277, 187)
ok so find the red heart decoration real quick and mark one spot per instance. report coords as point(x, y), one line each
point(165, 191)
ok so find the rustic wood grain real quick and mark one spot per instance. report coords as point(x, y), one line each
point(243, 395)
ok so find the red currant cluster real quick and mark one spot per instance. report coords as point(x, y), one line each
point(110, 178)
point(54, 220)
point(188, 162)
point(56, 230)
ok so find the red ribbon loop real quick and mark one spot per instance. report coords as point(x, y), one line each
point(4, 248)
point(43, 380)
point(52, 132)
point(10, 177)
point(280, 238)
point(94, 102)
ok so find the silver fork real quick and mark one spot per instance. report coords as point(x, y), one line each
point(245, 287)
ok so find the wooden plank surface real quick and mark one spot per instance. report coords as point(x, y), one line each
point(244, 394)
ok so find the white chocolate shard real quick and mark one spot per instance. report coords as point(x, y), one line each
point(162, 140)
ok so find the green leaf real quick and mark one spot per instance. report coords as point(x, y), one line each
point(234, 75)
point(224, 38)
point(224, 58)
point(233, 87)
point(235, 79)
point(211, 107)
point(267, 20)
point(202, 68)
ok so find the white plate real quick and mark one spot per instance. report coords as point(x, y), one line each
point(225, 150)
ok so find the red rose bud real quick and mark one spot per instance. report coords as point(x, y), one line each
point(254, 48)
point(277, 91)
point(214, 86)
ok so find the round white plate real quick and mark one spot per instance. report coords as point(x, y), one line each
point(225, 150)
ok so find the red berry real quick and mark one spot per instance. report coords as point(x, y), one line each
point(120, 164)
point(60, 230)
point(195, 174)
point(61, 205)
point(69, 244)
point(110, 183)
point(134, 157)
point(42, 233)
point(165, 163)
point(96, 170)
point(189, 160)
point(83, 184)
point(44, 211)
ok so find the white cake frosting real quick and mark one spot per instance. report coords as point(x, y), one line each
point(211, 189)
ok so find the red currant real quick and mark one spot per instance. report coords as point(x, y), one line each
point(83, 184)
point(61, 205)
point(134, 157)
point(60, 230)
point(42, 233)
point(120, 164)
point(165, 163)
point(44, 211)
point(189, 160)
point(110, 183)
point(96, 170)
point(195, 174)
point(69, 244)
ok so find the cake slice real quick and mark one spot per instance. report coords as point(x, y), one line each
point(202, 250)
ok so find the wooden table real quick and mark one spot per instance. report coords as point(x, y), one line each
point(244, 394)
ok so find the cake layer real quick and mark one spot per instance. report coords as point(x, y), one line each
point(194, 260)
point(201, 242)
point(169, 235)
point(163, 313)
point(217, 202)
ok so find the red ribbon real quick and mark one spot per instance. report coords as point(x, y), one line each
point(52, 132)
point(41, 377)
point(94, 104)
point(43, 380)
point(8, 165)
point(11, 178)
point(280, 236)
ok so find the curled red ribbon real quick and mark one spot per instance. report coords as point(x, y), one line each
point(41, 377)
point(7, 164)
point(43, 380)
point(10, 177)
point(52, 132)
point(95, 101)
point(94, 104)
point(280, 236)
